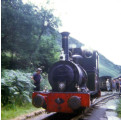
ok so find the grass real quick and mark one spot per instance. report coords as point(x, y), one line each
point(119, 108)
point(11, 111)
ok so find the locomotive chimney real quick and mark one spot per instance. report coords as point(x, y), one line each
point(65, 44)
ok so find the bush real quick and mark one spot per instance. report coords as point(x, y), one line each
point(45, 83)
point(119, 108)
point(5, 60)
point(16, 87)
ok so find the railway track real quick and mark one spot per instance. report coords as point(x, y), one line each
point(84, 112)
point(105, 98)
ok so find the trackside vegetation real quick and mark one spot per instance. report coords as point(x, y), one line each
point(119, 108)
point(16, 91)
point(12, 111)
point(28, 35)
point(29, 40)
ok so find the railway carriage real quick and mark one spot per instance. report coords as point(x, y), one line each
point(74, 81)
point(102, 83)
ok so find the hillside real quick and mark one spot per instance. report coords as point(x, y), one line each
point(106, 67)
point(71, 41)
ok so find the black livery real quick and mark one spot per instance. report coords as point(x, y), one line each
point(78, 72)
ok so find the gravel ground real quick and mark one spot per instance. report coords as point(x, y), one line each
point(30, 115)
point(111, 109)
point(40, 117)
point(97, 114)
point(105, 112)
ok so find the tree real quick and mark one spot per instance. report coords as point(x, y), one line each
point(28, 33)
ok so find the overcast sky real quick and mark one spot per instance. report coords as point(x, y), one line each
point(96, 23)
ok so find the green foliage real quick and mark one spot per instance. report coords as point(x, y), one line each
point(119, 108)
point(107, 68)
point(16, 87)
point(29, 34)
point(45, 83)
point(5, 60)
point(11, 111)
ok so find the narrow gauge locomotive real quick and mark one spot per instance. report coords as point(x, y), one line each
point(74, 81)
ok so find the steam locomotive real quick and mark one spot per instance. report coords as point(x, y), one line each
point(74, 81)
